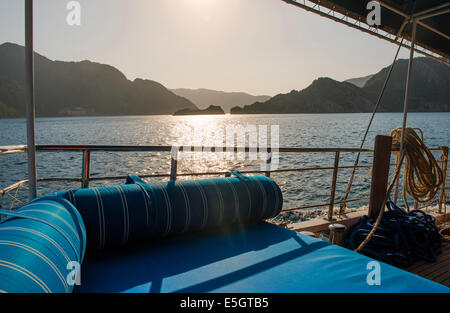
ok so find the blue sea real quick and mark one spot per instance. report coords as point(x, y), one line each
point(295, 130)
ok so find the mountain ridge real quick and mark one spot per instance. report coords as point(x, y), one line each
point(359, 81)
point(89, 88)
point(203, 97)
point(430, 83)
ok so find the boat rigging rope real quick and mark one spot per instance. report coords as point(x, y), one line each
point(377, 105)
point(380, 215)
point(422, 176)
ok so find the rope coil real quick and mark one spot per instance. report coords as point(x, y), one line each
point(422, 176)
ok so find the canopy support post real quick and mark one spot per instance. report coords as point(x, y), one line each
point(30, 105)
point(407, 93)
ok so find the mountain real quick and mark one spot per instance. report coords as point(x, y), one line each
point(12, 98)
point(430, 83)
point(360, 81)
point(323, 95)
point(203, 98)
point(79, 88)
point(211, 110)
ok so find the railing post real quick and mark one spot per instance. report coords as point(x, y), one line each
point(268, 164)
point(333, 185)
point(86, 170)
point(380, 173)
point(173, 163)
point(337, 232)
point(443, 199)
point(30, 99)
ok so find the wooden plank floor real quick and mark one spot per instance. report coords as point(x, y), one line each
point(438, 271)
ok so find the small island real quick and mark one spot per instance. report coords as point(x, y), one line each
point(211, 110)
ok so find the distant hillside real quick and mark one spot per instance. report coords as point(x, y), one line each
point(211, 110)
point(12, 98)
point(323, 95)
point(203, 98)
point(429, 93)
point(360, 81)
point(430, 87)
point(79, 88)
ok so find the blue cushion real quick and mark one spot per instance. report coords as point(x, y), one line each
point(257, 258)
point(137, 211)
point(37, 243)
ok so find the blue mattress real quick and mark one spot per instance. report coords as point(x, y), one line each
point(259, 258)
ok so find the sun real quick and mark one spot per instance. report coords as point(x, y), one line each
point(204, 3)
point(203, 8)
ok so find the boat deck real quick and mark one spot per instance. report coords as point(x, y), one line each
point(438, 271)
point(256, 258)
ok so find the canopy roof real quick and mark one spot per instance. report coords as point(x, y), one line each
point(432, 18)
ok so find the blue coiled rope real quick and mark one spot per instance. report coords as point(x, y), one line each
point(401, 237)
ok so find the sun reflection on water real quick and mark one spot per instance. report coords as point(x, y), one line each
point(202, 131)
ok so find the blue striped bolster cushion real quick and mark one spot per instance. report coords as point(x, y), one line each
point(137, 211)
point(38, 242)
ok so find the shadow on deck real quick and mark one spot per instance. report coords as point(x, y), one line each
point(438, 271)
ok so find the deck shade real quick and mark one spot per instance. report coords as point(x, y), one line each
point(39, 246)
point(262, 258)
point(139, 211)
point(432, 16)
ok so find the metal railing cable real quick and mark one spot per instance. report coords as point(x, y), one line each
point(11, 192)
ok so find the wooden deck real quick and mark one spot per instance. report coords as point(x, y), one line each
point(438, 271)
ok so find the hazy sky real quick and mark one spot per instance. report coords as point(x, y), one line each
point(256, 46)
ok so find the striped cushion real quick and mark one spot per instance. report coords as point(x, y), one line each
point(115, 215)
point(37, 243)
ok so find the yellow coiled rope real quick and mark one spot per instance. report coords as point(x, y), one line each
point(422, 176)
